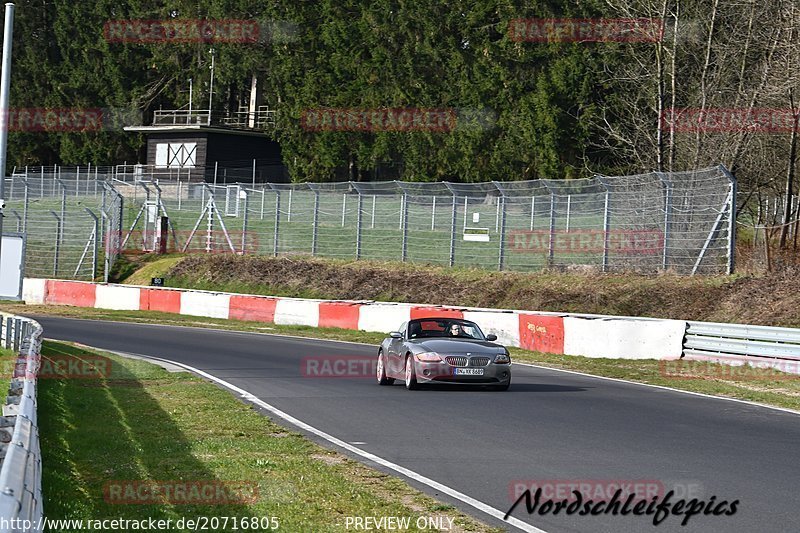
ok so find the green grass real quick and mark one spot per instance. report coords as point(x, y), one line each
point(783, 391)
point(8, 359)
point(142, 423)
point(153, 269)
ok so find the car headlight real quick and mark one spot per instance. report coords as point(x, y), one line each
point(502, 359)
point(429, 357)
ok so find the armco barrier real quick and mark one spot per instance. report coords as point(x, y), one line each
point(595, 336)
point(736, 344)
point(21, 471)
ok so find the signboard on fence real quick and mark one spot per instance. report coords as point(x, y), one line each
point(12, 266)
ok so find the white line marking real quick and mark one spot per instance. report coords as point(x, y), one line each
point(663, 387)
point(479, 505)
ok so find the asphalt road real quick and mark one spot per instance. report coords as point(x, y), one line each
point(549, 427)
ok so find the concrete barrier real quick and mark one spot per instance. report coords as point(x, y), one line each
point(592, 336)
point(623, 338)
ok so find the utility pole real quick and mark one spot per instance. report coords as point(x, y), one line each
point(5, 85)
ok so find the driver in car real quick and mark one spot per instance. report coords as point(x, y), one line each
point(455, 331)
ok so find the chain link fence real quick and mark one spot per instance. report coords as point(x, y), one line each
point(683, 222)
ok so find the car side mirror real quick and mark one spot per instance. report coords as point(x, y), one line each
point(491, 337)
point(396, 335)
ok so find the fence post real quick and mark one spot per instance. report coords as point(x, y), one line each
point(344, 207)
point(58, 243)
point(372, 225)
point(732, 221)
point(569, 209)
point(606, 224)
point(502, 253)
point(7, 337)
point(315, 224)
point(244, 220)
point(93, 241)
point(404, 220)
point(276, 235)
point(667, 218)
point(533, 209)
point(63, 206)
point(433, 214)
point(25, 206)
point(289, 207)
point(358, 225)
point(551, 243)
point(107, 254)
point(453, 214)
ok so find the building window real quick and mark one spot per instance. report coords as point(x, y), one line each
point(176, 155)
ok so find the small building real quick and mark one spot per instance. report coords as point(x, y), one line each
point(208, 146)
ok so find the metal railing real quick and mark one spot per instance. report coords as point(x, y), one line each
point(21, 471)
point(260, 119)
point(742, 343)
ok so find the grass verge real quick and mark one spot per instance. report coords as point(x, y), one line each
point(8, 360)
point(780, 389)
point(138, 423)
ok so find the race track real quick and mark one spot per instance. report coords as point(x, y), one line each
point(549, 426)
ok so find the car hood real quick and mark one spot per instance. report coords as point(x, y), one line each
point(459, 346)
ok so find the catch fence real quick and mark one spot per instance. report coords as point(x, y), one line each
point(651, 222)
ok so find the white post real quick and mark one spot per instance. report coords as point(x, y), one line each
point(433, 214)
point(373, 212)
point(569, 207)
point(5, 84)
point(533, 209)
point(289, 213)
point(344, 207)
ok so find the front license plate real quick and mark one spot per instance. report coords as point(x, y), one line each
point(468, 371)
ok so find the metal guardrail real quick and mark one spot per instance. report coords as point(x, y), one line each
point(741, 342)
point(21, 470)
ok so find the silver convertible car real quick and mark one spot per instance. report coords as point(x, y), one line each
point(443, 350)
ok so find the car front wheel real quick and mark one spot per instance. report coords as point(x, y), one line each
point(383, 379)
point(411, 377)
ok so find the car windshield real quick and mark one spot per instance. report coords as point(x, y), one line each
point(445, 328)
